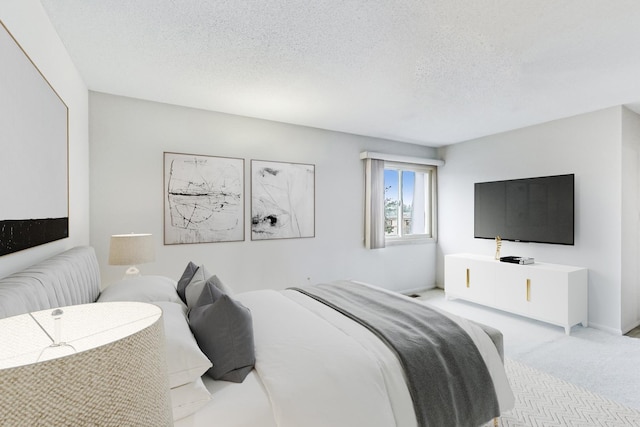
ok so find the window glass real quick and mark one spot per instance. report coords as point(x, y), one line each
point(391, 201)
point(408, 187)
point(408, 201)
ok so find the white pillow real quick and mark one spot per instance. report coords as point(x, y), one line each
point(185, 361)
point(142, 289)
point(188, 398)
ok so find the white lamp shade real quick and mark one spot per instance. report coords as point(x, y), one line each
point(131, 249)
point(118, 376)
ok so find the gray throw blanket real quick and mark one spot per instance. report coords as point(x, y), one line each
point(447, 378)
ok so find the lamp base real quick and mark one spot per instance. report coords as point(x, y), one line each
point(131, 272)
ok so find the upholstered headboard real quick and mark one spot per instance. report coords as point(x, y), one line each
point(69, 278)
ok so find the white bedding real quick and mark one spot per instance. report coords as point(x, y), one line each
point(315, 367)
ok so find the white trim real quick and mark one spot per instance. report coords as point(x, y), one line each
point(613, 331)
point(410, 239)
point(401, 159)
point(407, 292)
point(629, 326)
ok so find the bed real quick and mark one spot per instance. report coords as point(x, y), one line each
point(286, 358)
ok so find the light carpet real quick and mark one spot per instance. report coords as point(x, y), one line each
point(594, 360)
point(544, 400)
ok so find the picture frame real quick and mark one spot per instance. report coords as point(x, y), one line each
point(282, 200)
point(34, 178)
point(203, 199)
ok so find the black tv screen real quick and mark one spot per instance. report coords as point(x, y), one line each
point(526, 210)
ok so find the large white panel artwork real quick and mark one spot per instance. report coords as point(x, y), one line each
point(203, 199)
point(34, 190)
point(282, 200)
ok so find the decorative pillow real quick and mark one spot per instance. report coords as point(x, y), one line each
point(188, 398)
point(218, 284)
point(185, 360)
point(210, 292)
point(196, 284)
point(194, 287)
point(141, 289)
point(224, 331)
point(185, 279)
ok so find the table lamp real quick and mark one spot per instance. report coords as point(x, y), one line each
point(131, 249)
point(104, 365)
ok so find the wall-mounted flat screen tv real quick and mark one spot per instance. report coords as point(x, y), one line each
point(526, 210)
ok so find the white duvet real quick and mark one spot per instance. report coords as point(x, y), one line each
point(317, 368)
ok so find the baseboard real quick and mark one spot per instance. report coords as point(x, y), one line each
point(607, 329)
point(416, 290)
point(630, 326)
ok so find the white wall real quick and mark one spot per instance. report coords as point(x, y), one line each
point(29, 25)
point(589, 146)
point(630, 291)
point(128, 138)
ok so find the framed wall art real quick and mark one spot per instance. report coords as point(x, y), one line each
point(282, 200)
point(203, 199)
point(34, 179)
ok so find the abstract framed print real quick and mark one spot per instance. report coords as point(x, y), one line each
point(282, 200)
point(203, 199)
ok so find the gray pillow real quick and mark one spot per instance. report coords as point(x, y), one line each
point(142, 289)
point(210, 292)
point(195, 286)
point(223, 329)
point(218, 284)
point(184, 280)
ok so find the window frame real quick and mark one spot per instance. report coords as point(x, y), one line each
point(432, 170)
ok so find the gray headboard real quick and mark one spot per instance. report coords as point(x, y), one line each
point(69, 278)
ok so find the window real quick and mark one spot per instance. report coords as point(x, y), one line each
point(408, 202)
point(400, 199)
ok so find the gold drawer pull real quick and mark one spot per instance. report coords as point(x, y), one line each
point(528, 289)
point(468, 278)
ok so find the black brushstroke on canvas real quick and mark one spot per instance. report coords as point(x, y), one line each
point(19, 234)
point(271, 220)
point(270, 171)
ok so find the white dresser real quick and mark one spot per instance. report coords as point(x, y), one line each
point(551, 293)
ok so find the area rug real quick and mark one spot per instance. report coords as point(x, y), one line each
point(544, 400)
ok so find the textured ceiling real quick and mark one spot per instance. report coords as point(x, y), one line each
point(430, 72)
